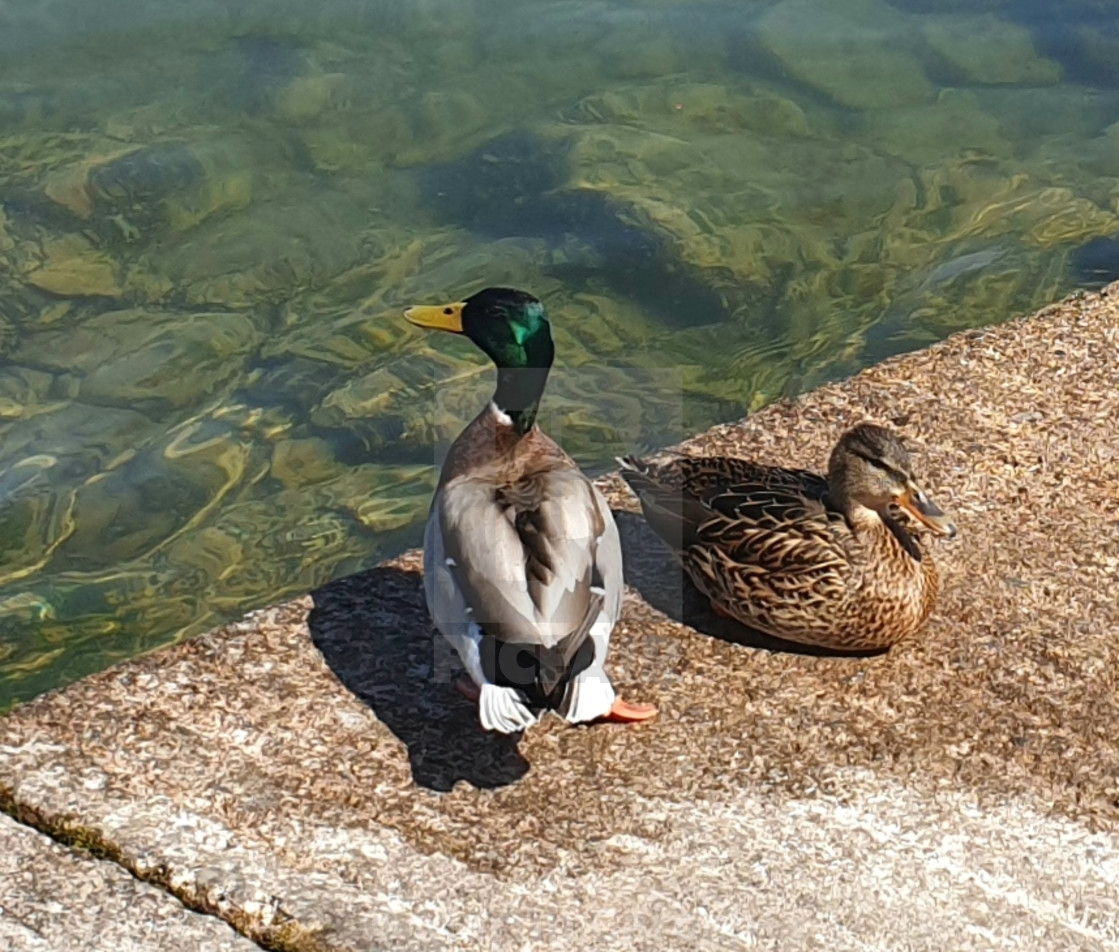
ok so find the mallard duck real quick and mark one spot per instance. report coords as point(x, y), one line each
point(522, 559)
point(825, 562)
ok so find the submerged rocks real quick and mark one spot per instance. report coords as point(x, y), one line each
point(857, 52)
point(72, 267)
point(132, 192)
point(206, 375)
point(146, 358)
point(987, 49)
point(954, 124)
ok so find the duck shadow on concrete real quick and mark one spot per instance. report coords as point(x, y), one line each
point(653, 572)
point(374, 633)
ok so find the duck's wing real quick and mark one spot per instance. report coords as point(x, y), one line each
point(745, 517)
point(526, 555)
point(703, 477)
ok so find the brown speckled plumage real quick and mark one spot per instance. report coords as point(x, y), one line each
point(487, 443)
point(827, 562)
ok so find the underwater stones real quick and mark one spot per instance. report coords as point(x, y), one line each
point(622, 154)
point(34, 517)
point(72, 267)
point(486, 191)
point(978, 197)
point(83, 439)
point(1019, 276)
point(1083, 34)
point(405, 406)
point(596, 326)
point(290, 384)
point(922, 134)
point(176, 362)
point(651, 55)
point(857, 52)
point(140, 357)
point(268, 251)
point(427, 23)
point(8, 336)
point(512, 187)
point(44, 458)
point(450, 115)
point(338, 342)
point(143, 177)
point(145, 500)
point(7, 242)
point(280, 554)
point(299, 462)
point(560, 59)
point(989, 49)
point(307, 97)
point(379, 514)
point(69, 186)
point(1096, 263)
point(366, 395)
point(225, 184)
point(209, 550)
point(1060, 216)
point(23, 390)
point(382, 499)
point(1039, 116)
point(712, 108)
point(175, 185)
point(1101, 155)
point(358, 139)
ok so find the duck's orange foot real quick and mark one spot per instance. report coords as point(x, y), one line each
point(625, 713)
point(720, 611)
point(468, 689)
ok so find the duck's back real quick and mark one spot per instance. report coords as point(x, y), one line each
point(532, 542)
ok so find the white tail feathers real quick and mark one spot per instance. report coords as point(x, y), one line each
point(501, 709)
point(589, 696)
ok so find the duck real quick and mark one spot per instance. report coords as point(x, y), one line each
point(522, 558)
point(828, 561)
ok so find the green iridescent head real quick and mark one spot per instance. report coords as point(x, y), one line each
point(511, 328)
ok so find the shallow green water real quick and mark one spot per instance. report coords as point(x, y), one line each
point(212, 213)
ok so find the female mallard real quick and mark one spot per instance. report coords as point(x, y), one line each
point(819, 561)
point(522, 560)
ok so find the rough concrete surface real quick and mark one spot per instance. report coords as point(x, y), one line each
point(310, 775)
point(55, 900)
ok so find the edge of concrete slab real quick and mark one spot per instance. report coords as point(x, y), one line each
point(268, 774)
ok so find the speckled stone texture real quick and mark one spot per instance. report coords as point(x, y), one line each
point(310, 775)
point(55, 900)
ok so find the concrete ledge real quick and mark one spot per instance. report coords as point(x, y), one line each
point(309, 776)
point(55, 900)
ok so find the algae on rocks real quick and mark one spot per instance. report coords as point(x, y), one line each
point(209, 399)
point(989, 50)
point(857, 52)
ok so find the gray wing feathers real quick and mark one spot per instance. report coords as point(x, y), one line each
point(525, 568)
point(608, 561)
point(445, 600)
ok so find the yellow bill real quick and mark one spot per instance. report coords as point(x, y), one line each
point(439, 317)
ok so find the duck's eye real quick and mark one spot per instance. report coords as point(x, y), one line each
point(895, 474)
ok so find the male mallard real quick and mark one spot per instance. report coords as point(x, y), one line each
point(522, 559)
point(819, 561)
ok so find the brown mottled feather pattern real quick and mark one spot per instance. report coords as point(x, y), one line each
point(767, 546)
point(485, 440)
